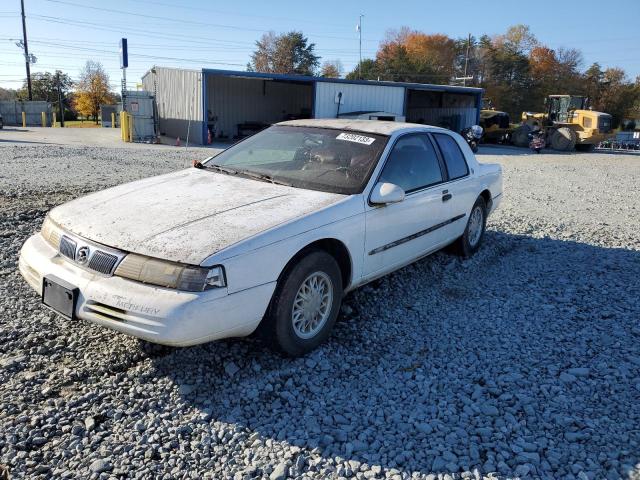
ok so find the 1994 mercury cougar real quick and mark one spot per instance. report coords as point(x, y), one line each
point(269, 233)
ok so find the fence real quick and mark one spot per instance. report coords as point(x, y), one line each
point(142, 123)
point(11, 112)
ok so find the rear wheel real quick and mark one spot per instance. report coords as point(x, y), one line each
point(305, 305)
point(564, 139)
point(470, 241)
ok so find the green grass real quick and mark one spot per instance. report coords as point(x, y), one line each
point(80, 124)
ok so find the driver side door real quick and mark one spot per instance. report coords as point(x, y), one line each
point(398, 233)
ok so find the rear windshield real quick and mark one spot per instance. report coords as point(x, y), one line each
point(324, 159)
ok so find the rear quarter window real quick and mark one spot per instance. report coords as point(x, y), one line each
point(453, 156)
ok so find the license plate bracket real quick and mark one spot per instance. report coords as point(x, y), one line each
point(60, 296)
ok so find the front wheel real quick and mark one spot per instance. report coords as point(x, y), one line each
point(305, 305)
point(470, 241)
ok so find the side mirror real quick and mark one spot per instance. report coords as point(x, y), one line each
point(384, 193)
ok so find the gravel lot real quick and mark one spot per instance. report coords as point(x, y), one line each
point(523, 361)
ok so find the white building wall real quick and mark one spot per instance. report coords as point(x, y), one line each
point(357, 97)
point(178, 98)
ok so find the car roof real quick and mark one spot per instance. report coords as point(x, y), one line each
point(379, 127)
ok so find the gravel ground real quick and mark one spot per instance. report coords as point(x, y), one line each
point(520, 362)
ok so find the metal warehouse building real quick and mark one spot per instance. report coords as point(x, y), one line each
point(237, 102)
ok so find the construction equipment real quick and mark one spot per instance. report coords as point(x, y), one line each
point(568, 124)
point(496, 124)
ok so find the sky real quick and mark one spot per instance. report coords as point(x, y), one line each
point(64, 34)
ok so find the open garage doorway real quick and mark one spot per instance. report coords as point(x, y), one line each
point(237, 106)
point(454, 111)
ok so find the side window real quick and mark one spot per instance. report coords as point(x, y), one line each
point(412, 164)
point(453, 156)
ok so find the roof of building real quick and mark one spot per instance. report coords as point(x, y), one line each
point(310, 79)
point(367, 126)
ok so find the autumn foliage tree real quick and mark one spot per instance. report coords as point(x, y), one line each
point(92, 90)
point(331, 69)
point(412, 56)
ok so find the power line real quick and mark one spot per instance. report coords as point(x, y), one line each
point(181, 21)
point(201, 10)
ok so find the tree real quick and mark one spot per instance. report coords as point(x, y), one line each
point(286, 53)
point(617, 96)
point(331, 69)
point(8, 94)
point(518, 39)
point(508, 82)
point(412, 56)
point(44, 86)
point(366, 70)
point(93, 90)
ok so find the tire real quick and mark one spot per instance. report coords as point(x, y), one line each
point(285, 329)
point(474, 147)
point(564, 139)
point(520, 136)
point(469, 243)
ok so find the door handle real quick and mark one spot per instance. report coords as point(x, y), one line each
point(446, 195)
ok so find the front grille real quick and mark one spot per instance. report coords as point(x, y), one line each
point(102, 262)
point(105, 311)
point(68, 247)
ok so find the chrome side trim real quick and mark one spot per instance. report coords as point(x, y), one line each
point(416, 235)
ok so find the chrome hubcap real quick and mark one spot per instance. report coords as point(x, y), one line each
point(475, 226)
point(312, 305)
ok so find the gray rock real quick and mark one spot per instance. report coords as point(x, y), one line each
point(101, 465)
point(279, 472)
point(185, 389)
point(488, 409)
point(579, 372)
point(231, 368)
point(89, 424)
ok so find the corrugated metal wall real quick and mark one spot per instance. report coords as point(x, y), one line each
point(11, 112)
point(452, 118)
point(442, 109)
point(178, 98)
point(357, 97)
point(237, 100)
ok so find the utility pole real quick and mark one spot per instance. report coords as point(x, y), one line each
point(466, 62)
point(360, 32)
point(26, 50)
point(60, 107)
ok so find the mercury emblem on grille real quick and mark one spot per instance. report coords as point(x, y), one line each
point(82, 256)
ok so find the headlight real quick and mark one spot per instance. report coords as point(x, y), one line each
point(51, 232)
point(170, 274)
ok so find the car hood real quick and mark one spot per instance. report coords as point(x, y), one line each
point(186, 216)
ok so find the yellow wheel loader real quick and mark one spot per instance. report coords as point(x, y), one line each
point(568, 124)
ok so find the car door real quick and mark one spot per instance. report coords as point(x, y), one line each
point(400, 232)
point(460, 185)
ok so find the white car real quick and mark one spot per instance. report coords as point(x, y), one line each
point(271, 232)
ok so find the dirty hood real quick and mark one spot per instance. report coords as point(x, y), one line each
point(186, 216)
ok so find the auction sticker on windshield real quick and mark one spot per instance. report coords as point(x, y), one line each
point(352, 137)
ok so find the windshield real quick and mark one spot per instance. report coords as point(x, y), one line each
point(329, 160)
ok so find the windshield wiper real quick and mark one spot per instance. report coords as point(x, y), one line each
point(264, 177)
point(220, 168)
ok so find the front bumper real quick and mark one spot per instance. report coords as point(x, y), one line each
point(159, 315)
